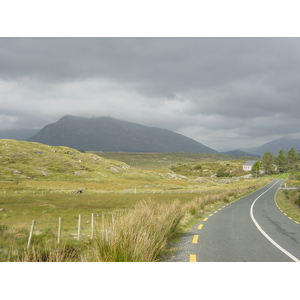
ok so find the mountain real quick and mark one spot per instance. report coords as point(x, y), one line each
point(112, 135)
point(284, 143)
point(240, 153)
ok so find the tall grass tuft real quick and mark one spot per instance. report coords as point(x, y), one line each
point(138, 236)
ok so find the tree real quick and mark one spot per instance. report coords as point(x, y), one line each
point(292, 160)
point(281, 161)
point(268, 162)
point(255, 169)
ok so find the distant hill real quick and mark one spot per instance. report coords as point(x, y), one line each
point(285, 143)
point(240, 153)
point(112, 135)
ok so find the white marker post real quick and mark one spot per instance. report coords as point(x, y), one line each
point(92, 227)
point(59, 230)
point(30, 234)
point(79, 224)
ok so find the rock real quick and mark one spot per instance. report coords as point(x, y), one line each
point(114, 169)
point(17, 172)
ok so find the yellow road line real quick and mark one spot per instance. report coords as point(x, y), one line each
point(205, 219)
point(200, 226)
point(195, 239)
point(215, 212)
point(296, 222)
point(193, 258)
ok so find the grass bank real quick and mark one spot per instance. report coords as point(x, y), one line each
point(289, 202)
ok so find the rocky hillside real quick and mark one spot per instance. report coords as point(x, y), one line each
point(21, 160)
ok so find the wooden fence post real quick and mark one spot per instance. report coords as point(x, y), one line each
point(30, 234)
point(79, 224)
point(102, 227)
point(92, 227)
point(59, 230)
point(113, 222)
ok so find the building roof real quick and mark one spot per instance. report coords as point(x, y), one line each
point(250, 162)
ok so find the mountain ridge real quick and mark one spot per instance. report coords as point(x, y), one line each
point(285, 143)
point(111, 135)
point(239, 153)
point(108, 134)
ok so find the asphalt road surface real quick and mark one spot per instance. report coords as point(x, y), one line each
point(251, 229)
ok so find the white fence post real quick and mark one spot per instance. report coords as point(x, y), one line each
point(79, 224)
point(59, 230)
point(30, 234)
point(113, 222)
point(102, 227)
point(92, 226)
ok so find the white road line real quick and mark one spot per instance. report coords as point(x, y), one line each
point(263, 232)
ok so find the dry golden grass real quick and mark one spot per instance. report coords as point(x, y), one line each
point(138, 236)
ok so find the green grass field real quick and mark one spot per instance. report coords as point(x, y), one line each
point(41, 183)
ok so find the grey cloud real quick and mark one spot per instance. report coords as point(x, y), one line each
point(206, 88)
point(159, 63)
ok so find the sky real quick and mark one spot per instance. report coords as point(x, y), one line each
point(224, 92)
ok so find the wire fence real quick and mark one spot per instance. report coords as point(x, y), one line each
point(81, 228)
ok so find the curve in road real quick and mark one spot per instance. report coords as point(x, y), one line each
point(249, 229)
point(264, 233)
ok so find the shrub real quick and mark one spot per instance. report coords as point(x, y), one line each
point(222, 172)
point(197, 167)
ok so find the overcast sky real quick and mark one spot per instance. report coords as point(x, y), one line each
point(222, 92)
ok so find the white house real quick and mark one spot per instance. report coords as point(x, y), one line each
point(248, 165)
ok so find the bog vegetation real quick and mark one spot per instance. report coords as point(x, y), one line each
point(131, 206)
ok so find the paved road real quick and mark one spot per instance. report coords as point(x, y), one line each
point(252, 229)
